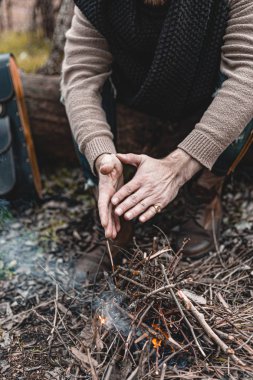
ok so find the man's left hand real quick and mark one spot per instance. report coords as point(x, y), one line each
point(155, 184)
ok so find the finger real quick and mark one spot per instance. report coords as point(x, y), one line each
point(109, 227)
point(103, 206)
point(124, 192)
point(111, 231)
point(106, 168)
point(117, 223)
point(130, 158)
point(131, 201)
point(114, 231)
point(140, 208)
point(149, 214)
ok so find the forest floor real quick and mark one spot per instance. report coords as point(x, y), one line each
point(45, 310)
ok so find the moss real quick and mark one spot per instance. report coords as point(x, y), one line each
point(30, 49)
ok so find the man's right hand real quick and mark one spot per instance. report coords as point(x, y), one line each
point(110, 173)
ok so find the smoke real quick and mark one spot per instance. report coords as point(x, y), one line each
point(111, 316)
point(29, 244)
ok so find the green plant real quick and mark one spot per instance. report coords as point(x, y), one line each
point(30, 48)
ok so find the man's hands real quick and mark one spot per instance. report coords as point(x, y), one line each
point(110, 172)
point(157, 181)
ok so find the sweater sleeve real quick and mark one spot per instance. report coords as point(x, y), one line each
point(232, 108)
point(86, 67)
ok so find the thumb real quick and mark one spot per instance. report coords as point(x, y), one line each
point(130, 158)
point(106, 168)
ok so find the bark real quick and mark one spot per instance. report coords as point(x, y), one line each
point(63, 22)
point(48, 120)
point(137, 132)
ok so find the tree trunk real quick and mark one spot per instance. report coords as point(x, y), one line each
point(137, 132)
point(9, 14)
point(63, 22)
point(1, 18)
point(46, 10)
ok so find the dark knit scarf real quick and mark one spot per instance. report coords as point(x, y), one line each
point(166, 59)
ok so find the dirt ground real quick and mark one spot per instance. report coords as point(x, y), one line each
point(39, 245)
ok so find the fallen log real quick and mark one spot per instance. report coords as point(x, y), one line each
point(137, 132)
point(48, 119)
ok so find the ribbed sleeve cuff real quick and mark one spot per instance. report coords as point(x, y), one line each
point(96, 147)
point(202, 148)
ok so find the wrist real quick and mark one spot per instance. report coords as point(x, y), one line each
point(186, 165)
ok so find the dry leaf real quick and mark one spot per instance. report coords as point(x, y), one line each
point(83, 358)
point(99, 342)
point(88, 334)
point(194, 297)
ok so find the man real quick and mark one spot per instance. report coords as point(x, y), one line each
point(171, 59)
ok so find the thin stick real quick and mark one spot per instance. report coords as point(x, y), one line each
point(164, 250)
point(93, 371)
point(144, 313)
point(109, 371)
point(224, 303)
point(163, 371)
point(133, 374)
point(143, 336)
point(110, 254)
point(134, 282)
point(51, 337)
point(208, 330)
point(166, 287)
point(183, 314)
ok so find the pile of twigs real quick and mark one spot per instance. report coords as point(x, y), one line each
point(151, 319)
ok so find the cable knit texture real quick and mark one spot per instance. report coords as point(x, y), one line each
point(166, 59)
point(88, 62)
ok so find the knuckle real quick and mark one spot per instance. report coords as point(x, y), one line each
point(143, 205)
point(128, 189)
point(134, 198)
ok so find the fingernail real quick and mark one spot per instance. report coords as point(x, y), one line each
point(129, 215)
point(115, 200)
point(119, 211)
point(142, 219)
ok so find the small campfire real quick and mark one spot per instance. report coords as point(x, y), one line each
point(147, 318)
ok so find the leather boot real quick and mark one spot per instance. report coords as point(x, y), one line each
point(203, 214)
point(96, 259)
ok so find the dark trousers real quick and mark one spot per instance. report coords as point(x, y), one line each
point(221, 166)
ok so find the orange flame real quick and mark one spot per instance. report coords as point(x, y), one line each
point(156, 343)
point(158, 328)
point(102, 319)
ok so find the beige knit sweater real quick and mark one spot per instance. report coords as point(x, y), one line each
point(87, 65)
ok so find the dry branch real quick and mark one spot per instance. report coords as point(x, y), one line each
point(209, 331)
